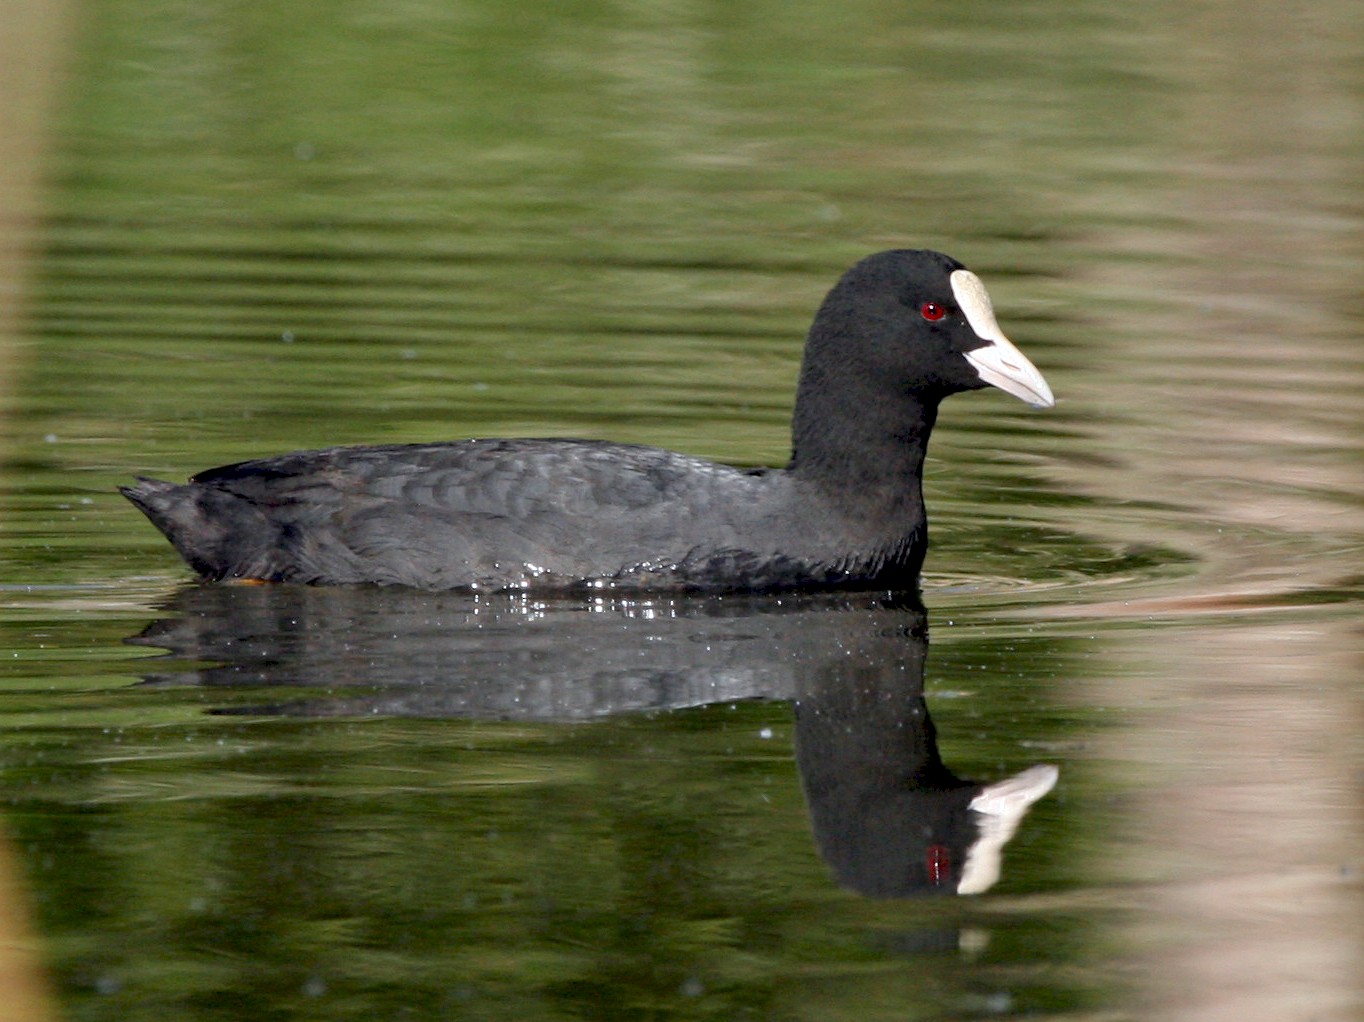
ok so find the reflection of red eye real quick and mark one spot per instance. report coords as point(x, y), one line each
point(932, 311)
point(938, 862)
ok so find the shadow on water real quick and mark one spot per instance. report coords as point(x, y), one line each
point(889, 817)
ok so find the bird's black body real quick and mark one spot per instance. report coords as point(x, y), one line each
point(847, 511)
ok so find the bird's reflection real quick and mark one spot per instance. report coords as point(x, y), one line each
point(889, 817)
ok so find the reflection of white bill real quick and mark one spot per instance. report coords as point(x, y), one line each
point(1001, 806)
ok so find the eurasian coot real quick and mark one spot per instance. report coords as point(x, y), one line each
point(898, 333)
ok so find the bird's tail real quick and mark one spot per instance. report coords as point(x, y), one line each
point(218, 533)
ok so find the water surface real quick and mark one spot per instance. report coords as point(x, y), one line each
point(291, 227)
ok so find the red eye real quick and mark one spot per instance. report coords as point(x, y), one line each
point(932, 311)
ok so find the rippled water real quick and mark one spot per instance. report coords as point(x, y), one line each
point(292, 227)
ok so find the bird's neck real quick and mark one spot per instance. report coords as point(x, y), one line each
point(863, 444)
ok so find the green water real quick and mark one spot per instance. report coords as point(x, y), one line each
point(279, 226)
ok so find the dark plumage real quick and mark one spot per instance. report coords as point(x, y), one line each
point(898, 333)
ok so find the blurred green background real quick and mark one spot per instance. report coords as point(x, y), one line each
point(245, 228)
